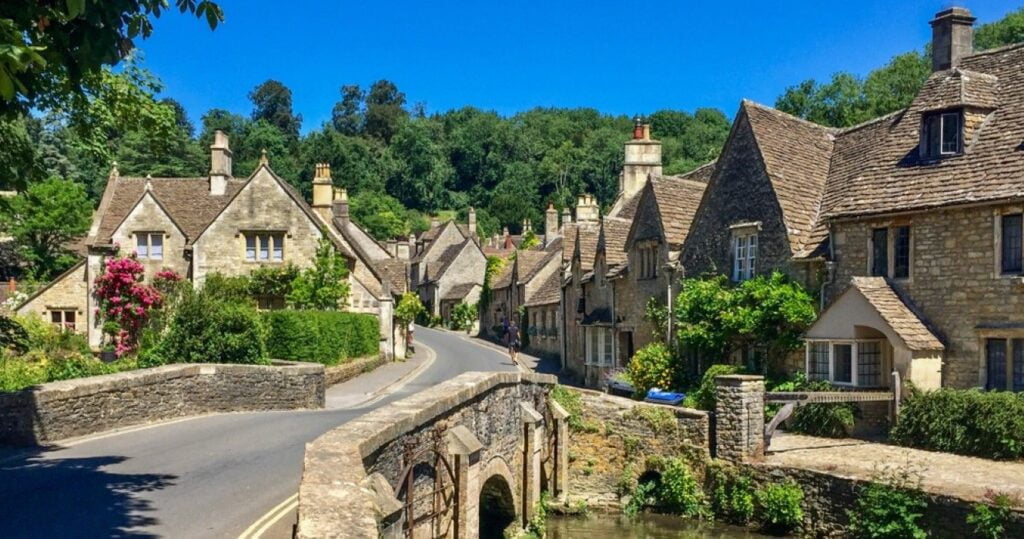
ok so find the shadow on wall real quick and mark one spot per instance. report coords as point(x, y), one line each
point(497, 509)
point(101, 504)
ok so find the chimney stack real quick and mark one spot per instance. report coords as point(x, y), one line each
point(339, 207)
point(587, 210)
point(403, 248)
point(550, 224)
point(323, 188)
point(220, 163)
point(952, 37)
point(392, 247)
point(472, 222)
point(566, 217)
point(643, 158)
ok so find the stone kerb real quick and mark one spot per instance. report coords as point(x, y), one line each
point(82, 406)
point(337, 497)
point(739, 417)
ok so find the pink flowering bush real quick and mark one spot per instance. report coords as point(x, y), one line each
point(125, 302)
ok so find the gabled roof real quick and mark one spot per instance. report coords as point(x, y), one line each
point(187, 201)
point(900, 318)
point(460, 291)
point(585, 245)
point(550, 291)
point(504, 277)
point(612, 240)
point(529, 262)
point(444, 261)
point(678, 199)
point(796, 155)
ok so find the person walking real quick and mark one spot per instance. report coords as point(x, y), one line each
point(513, 340)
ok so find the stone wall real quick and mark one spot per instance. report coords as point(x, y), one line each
point(739, 417)
point(337, 374)
point(481, 423)
point(617, 436)
point(827, 497)
point(545, 329)
point(954, 282)
point(147, 217)
point(69, 291)
point(69, 408)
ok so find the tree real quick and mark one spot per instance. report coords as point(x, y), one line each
point(383, 216)
point(384, 110)
point(272, 102)
point(323, 286)
point(1006, 31)
point(347, 116)
point(463, 316)
point(43, 219)
point(18, 163)
point(54, 49)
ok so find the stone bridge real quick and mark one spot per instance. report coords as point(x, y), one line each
point(467, 458)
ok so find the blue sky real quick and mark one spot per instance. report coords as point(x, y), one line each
point(619, 57)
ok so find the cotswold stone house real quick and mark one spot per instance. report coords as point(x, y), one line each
point(448, 266)
point(220, 224)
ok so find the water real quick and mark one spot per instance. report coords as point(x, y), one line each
point(644, 526)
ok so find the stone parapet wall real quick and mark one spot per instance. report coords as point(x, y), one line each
point(337, 374)
point(69, 408)
point(617, 438)
point(347, 483)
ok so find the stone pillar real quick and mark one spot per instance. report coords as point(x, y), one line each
point(465, 450)
point(560, 460)
point(387, 327)
point(739, 417)
point(533, 435)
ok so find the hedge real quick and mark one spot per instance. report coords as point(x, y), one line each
point(327, 337)
point(968, 422)
point(209, 330)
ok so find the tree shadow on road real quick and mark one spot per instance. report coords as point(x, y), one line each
point(74, 497)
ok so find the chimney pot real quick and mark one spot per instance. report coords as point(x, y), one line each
point(339, 206)
point(952, 37)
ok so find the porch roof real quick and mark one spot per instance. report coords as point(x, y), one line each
point(886, 307)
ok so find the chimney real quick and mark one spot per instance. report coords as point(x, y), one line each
point(402, 249)
point(952, 37)
point(643, 158)
point(550, 224)
point(587, 210)
point(566, 217)
point(472, 222)
point(392, 247)
point(220, 163)
point(339, 208)
point(322, 190)
point(434, 222)
point(507, 243)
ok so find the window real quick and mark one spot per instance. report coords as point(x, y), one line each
point(599, 347)
point(744, 263)
point(854, 363)
point(648, 261)
point(264, 247)
point(1012, 242)
point(63, 318)
point(149, 245)
point(941, 134)
point(880, 252)
point(901, 252)
point(1004, 364)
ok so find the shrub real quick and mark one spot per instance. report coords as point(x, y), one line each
point(47, 340)
point(651, 366)
point(463, 315)
point(826, 420)
point(989, 521)
point(13, 336)
point(680, 492)
point(572, 403)
point(125, 302)
point(704, 395)
point(890, 506)
point(968, 422)
point(641, 496)
point(18, 374)
point(324, 285)
point(732, 494)
point(778, 506)
point(321, 336)
point(210, 330)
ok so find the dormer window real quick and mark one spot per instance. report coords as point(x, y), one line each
point(942, 134)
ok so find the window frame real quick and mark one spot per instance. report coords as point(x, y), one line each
point(933, 131)
point(1000, 243)
point(145, 239)
point(745, 252)
point(63, 312)
point(600, 346)
point(892, 250)
point(264, 246)
point(1013, 361)
point(854, 345)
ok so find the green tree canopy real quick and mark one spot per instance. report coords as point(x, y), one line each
point(323, 286)
point(43, 220)
point(272, 103)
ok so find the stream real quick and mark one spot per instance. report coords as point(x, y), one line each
point(643, 526)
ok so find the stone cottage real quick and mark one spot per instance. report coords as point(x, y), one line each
point(216, 224)
point(448, 266)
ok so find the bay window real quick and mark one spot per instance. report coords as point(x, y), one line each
point(857, 363)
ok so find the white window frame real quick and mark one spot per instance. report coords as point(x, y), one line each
point(604, 356)
point(744, 255)
point(942, 133)
point(144, 240)
point(264, 247)
point(855, 357)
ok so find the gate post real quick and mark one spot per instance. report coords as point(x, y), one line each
point(739, 417)
point(465, 447)
point(532, 437)
point(560, 460)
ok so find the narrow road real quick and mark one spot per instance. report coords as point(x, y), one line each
point(210, 476)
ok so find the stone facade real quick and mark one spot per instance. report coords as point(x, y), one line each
point(66, 293)
point(954, 283)
point(545, 330)
point(337, 374)
point(59, 410)
point(739, 418)
point(491, 429)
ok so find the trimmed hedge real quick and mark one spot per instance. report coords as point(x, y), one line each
point(968, 422)
point(327, 337)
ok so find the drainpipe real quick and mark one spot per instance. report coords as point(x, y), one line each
point(830, 269)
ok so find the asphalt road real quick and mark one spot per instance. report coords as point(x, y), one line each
point(210, 476)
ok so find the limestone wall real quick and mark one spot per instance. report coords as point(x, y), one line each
point(620, 436)
point(69, 291)
point(346, 371)
point(69, 408)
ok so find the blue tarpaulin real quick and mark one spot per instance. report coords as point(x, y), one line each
point(658, 396)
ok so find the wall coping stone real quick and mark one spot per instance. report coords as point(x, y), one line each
point(736, 379)
point(691, 413)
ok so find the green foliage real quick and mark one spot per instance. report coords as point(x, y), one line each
point(324, 286)
point(327, 337)
point(207, 329)
point(660, 420)
point(989, 520)
point(463, 315)
point(704, 395)
point(643, 495)
point(494, 266)
point(17, 373)
point(653, 366)
point(890, 506)
point(1008, 30)
point(47, 341)
point(13, 336)
point(272, 102)
point(778, 506)
point(732, 493)
point(529, 241)
point(409, 309)
point(967, 422)
point(43, 220)
point(571, 401)
point(382, 215)
point(679, 491)
point(833, 420)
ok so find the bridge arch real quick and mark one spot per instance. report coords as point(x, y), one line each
point(497, 509)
